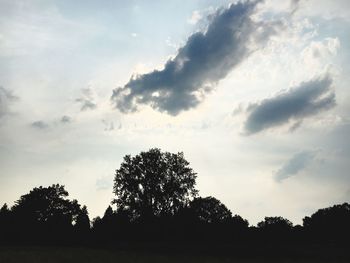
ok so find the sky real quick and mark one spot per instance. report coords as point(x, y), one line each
point(255, 93)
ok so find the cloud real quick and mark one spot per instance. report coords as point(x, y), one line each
point(296, 164)
point(195, 17)
point(41, 125)
point(6, 98)
point(295, 104)
point(104, 183)
point(206, 58)
point(294, 6)
point(87, 100)
point(110, 126)
point(66, 119)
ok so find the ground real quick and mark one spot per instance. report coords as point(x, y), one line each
point(92, 255)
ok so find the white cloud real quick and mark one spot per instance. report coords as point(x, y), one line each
point(195, 17)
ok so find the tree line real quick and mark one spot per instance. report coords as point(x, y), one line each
point(157, 203)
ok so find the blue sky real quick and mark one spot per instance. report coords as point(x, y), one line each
point(255, 95)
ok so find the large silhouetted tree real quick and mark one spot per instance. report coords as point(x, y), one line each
point(154, 183)
point(47, 205)
point(45, 213)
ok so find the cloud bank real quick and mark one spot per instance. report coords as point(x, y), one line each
point(296, 164)
point(295, 104)
point(206, 58)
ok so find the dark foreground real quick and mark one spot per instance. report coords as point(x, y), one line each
point(106, 255)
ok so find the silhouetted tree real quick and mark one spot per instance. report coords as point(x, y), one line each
point(275, 229)
point(47, 204)
point(275, 223)
point(238, 222)
point(82, 226)
point(82, 222)
point(96, 222)
point(113, 227)
point(238, 229)
point(204, 220)
point(209, 210)
point(108, 215)
point(108, 219)
point(45, 213)
point(5, 223)
point(4, 212)
point(329, 224)
point(153, 184)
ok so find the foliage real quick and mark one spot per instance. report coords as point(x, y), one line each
point(82, 222)
point(47, 205)
point(275, 223)
point(154, 183)
point(209, 210)
point(157, 203)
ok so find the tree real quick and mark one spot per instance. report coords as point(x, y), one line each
point(276, 223)
point(46, 206)
point(239, 223)
point(82, 224)
point(4, 212)
point(154, 183)
point(331, 223)
point(209, 210)
point(5, 223)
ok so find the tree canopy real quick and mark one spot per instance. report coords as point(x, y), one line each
point(209, 210)
point(157, 202)
point(154, 183)
point(276, 223)
point(47, 205)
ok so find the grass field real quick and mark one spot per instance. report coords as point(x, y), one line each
point(92, 255)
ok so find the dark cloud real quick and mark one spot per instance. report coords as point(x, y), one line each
point(40, 125)
point(206, 58)
point(6, 98)
point(296, 164)
point(87, 100)
point(295, 104)
point(43, 125)
point(66, 119)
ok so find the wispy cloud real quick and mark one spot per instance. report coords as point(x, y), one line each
point(6, 99)
point(294, 6)
point(66, 119)
point(40, 125)
point(295, 104)
point(87, 100)
point(104, 183)
point(296, 164)
point(205, 59)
